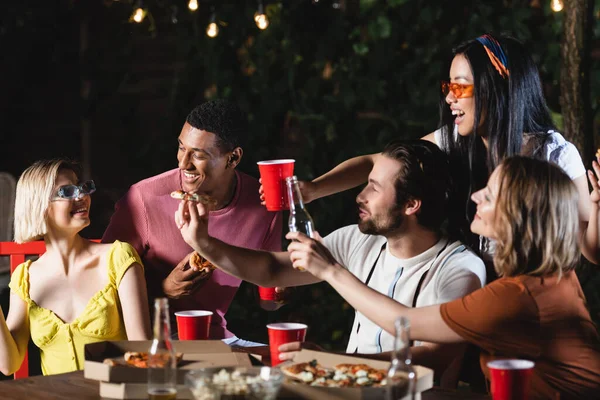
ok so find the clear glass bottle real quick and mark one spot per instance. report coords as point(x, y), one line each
point(162, 362)
point(300, 220)
point(401, 379)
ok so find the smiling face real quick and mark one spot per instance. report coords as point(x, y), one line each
point(203, 165)
point(463, 108)
point(377, 210)
point(68, 214)
point(485, 222)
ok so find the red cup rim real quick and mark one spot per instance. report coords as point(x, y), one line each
point(511, 364)
point(286, 326)
point(193, 313)
point(274, 162)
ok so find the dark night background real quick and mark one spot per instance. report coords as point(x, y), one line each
point(321, 84)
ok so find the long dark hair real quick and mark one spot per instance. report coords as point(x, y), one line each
point(509, 107)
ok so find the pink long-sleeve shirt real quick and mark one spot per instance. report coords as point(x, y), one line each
point(144, 217)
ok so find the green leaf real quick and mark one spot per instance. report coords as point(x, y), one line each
point(380, 28)
point(367, 4)
point(396, 3)
point(360, 48)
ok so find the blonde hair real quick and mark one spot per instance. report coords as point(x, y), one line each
point(537, 219)
point(34, 190)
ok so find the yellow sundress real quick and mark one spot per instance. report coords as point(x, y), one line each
point(62, 345)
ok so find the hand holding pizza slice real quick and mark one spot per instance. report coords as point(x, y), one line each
point(198, 198)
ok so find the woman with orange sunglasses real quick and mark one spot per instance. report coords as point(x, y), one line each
point(491, 108)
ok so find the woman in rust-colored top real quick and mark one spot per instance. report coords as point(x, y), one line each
point(536, 310)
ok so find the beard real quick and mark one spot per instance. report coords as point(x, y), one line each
point(382, 224)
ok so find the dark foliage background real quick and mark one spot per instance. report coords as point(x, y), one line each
point(321, 84)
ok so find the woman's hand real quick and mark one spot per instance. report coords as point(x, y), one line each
point(594, 178)
point(192, 220)
point(307, 189)
point(311, 255)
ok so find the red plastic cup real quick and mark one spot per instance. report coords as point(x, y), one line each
point(510, 379)
point(193, 324)
point(272, 175)
point(281, 333)
point(268, 293)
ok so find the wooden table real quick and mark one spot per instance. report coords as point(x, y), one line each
point(73, 386)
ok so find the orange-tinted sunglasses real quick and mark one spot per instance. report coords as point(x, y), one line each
point(458, 89)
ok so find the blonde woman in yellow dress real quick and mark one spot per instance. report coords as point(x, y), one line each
point(78, 291)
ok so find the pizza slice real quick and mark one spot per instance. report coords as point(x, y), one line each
point(139, 359)
point(363, 374)
point(201, 264)
point(307, 372)
point(199, 198)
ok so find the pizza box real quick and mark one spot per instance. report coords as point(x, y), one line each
point(302, 391)
point(196, 354)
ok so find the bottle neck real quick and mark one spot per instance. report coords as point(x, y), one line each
point(402, 344)
point(162, 324)
point(295, 196)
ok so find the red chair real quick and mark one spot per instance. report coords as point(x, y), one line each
point(17, 253)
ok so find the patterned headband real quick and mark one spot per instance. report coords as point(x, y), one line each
point(495, 53)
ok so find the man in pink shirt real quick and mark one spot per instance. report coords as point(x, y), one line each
point(210, 148)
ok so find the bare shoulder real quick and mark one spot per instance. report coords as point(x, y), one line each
point(100, 249)
point(430, 138)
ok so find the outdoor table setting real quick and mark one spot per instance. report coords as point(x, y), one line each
point(73, 385)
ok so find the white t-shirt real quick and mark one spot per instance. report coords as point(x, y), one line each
point(554, 149)
point(447, 270)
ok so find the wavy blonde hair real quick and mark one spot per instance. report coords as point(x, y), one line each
point(537, 219)
point(34, 190)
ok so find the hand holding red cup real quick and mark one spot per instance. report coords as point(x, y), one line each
point(281, 333)
point(272, 175)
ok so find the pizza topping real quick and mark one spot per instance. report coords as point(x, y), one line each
point(200, 263)
point(140, 360)
point(343, 375)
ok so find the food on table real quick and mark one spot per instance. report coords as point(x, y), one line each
point(233, 385)
point(136, 359)
point(342, 375)
point(199, 198)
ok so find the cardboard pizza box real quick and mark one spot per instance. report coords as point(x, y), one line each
point(196, 354)
point(304, 391)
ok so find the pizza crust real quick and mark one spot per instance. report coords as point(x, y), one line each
point(199, 198)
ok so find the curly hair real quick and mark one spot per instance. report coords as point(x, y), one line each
point(222, 118)
point(537, 219)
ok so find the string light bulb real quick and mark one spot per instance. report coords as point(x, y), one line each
point(260, 17)
point(138, 15)
point(212, 30)
point(193, 5)
point(557, 5)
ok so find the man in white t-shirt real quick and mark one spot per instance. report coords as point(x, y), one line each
point(397, 248)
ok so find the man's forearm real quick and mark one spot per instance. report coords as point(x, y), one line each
point(262, 268)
